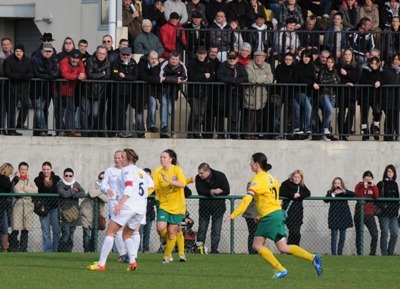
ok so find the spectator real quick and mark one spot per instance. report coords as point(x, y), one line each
point(178, 7)
point(68, 46)
point(286, 39)
point(309, 37)
point(6, 50)
point(173, 72)
point(257, 35)
point(350, 11)
point(232, 74)
point(391, 40)
point(125, 70)
point(70, 192)
point(46, 183)
point(201, 69)
point(295, 190)
point(236, 36)
point(46, 38)
point(132, 17)
point(275, 6)
point(93, 102)
point(87, 213)
point(290, 9)
point(195, 34)
point(335, 41)
point(349, 75)
point(6, 170)
point(210, 184)
point(22, 209)
point(18, 68)
point(149, 71)
point(387, 12)
point(361, 40)
point(108, 42)
point(371, 11)
point(147, 40)
point(240, 10)
point(172, 36)
point(371, 97)
point(44, 67)
point(366, 189)
point(388, 188)
point(83, 46)
point(195, 6)
point(214, 7)
point(220, 35)
point(73, 70)
point(256, 95)
point(116, 52)
point(145, 230)
point(155, 14)
point(339, 216)
point(256, 10)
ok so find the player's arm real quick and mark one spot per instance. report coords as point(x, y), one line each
point(241, 208)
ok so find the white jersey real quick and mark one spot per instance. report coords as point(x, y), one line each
point(134, 183)
point(110, 181)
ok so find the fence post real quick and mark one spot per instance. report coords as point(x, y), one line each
point(362, 203)
point(95, 224)
point(232, 231)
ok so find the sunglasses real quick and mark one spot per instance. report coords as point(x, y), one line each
point(69, 43)
point(47, 40)
point(68, 176)
point(106, 41)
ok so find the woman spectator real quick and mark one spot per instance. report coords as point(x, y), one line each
point(22, 209)
point(335, 40)
point(68, 46)
point(169, 182)
point(87, 212)
point(388, 12)
point(295, 190)
point(339, 217)
point(388, 188)
point(349, 75)
point(6, 170)
point(366, 189)
point(349, 9)
point(371, 11)
point(290, 9)
point(371, 97)
point(236, 37)
point(48, 208)
point(391, 40)
point(70, 192)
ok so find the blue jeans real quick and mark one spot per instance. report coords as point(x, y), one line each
point(388, 224)
point(4, 224)
point(167, 100)
point(49, 224)
point(151, 113)
point(276, 8)
point(41, 111)
point(301, 100)
point(145, 236)
point(369, 221)
point(340, 245)
point(67, 239)
point(327, 104)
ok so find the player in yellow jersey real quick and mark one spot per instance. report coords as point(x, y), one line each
point(264, 188)
point(169, 182)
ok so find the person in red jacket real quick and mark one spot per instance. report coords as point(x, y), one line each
point(366, 189)
point(73, 70)
point(172, 36)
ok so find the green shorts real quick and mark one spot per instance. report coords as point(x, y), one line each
point(272, 226)
point(164, 216)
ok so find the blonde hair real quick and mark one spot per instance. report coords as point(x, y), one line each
point(301, 175)
point(131, 155)
point(6, 169)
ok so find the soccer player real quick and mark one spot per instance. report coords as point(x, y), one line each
point(169, 182)
point(264, 188)
point(133, 184)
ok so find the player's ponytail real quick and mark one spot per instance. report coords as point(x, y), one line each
point(261, 159)
point(173, 156)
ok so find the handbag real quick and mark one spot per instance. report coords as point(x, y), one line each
point(71, 214)
point(40, 208)
point(101, 221)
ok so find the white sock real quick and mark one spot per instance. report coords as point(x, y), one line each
point(106, 249)
point(119, 243)
point(130, 248)
point(136, 243)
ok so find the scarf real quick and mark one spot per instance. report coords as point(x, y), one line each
point(23, 177)
point(396, 68)
point(67, 183)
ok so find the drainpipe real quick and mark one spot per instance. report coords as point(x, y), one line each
point(112, 19)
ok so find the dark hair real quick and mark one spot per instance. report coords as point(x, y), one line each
point(394, 57)
point(46, 163)
point(341, 183)
point(69, 170)
point(391, 167)
point(147, 170)
point(374, 59)
point(174, 54)
point(289, 54)
point(306, 53)
point(204, 167)
point(101, 173)
point(63, 45)
point(23, 164)
point(338, 14)
point(172, 155)
point(131, 155)
point(82, 41)
point(368, 174)
point(261, 159)
point(353, 59)
point(331, 58)
point(363, 21)
point(291, 20)
point(4, 39)
point(123, 40)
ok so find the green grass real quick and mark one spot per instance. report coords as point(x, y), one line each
point(53, 271)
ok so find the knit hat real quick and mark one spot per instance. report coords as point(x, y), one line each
point(19, 46)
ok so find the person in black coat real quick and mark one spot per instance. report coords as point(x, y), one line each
point(295, 191)
point(388, 188)
point(6, 170)
point(18, 69)
point(210, 184)
point(48, 207)
point(195, 34)
point(201, 69)
point(339, 217)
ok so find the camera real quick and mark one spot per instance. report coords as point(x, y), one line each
point(369, 183)
point(337, 188)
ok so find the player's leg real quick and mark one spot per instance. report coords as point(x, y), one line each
point(171, 241)
point(180, 242)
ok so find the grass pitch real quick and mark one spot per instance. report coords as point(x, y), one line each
point(61, 270)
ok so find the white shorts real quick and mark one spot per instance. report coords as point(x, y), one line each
point(143, 222)
point(129, 218)
point(111, 204)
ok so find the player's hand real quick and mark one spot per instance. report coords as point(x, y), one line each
point(117, 209)
point(228, 218)
point(110, 193)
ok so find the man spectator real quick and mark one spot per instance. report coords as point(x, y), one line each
point(210, 184)
point(174, 72)
point(44, 67)
point(220, 35)
point(240, 10)
point(286, 39)
point(195, 6)
point(83, 46)
point(93, 103)
point(195, 34)
point(245, 54)
point(6, 50)
point(361, 40)
point(46, 38)
point(155, 13)
point(149, 71)
point(108, 42)
point(172, 36)
point(132, 17)
point(215, 6)
point(123, 42)
point(147, 40)
point(201, 69)
point(309, 36)
point(232, 73)
point(124, 70)
point(73, 70)
point(18, 68)
point(257, 35)
point(178, 7)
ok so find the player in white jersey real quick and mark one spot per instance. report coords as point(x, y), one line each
point(133, 185)
point(109, 187)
